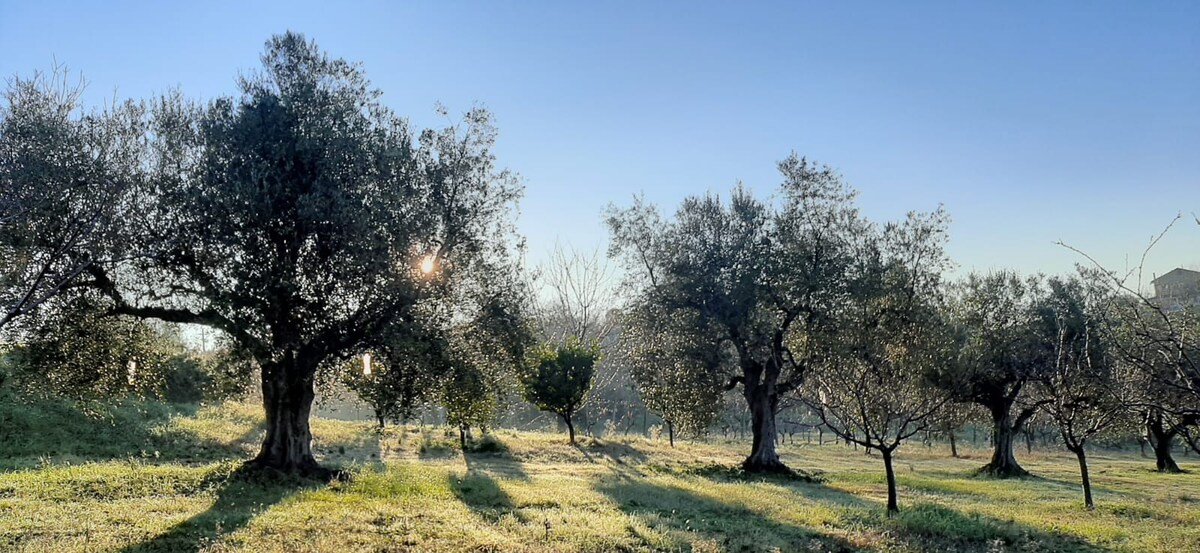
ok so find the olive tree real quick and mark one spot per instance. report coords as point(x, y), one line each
point(1158, 342)
point(486, 357)
point(309, 223)
point(760, 280)
point(995, 312)
point(873, 390)
point(678, 377)
point(558, 378)
point(1084, 386)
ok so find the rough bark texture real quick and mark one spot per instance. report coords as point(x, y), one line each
point(763, 457)
point(1083, 475)
point(892, 505)
point(1004, 430)
point(1161, 439)
point(287, 388)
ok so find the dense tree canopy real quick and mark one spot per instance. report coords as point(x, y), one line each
point(998, 357)
point(760, 279)
point(308, 222)
point(678, 377)
point(558, 378)
point(74, 349)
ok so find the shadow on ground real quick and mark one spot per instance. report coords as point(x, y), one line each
point(856, 525)
point(479, 488)
point(241, 496)
point(619, 453)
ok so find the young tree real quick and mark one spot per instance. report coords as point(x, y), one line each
point(1083, 388)
point(487, 354)
point(395, 381)
point(558, 379)
point(759, 280)
point(577, 298)
point(64, 175)
point(874, 391)
point(995, 312)
point(680, 380)
point(309, 223)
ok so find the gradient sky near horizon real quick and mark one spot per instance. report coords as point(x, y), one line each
point(1031, 122)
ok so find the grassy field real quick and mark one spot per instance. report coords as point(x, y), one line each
point(145, 477)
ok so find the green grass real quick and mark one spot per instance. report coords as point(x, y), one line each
point(145, 477)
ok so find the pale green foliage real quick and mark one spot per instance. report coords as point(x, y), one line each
point(678, 376)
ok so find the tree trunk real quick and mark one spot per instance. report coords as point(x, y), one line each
point(1083, 474)
point(462, 437)
point(379, 418)
point(671, 433)
point(287, 388)
point(893, 506)
point(1004, 462)
point(1161, 439)
point(570, 428)
point(953, 446)
point(763, 457)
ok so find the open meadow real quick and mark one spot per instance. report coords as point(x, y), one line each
point(149, 477)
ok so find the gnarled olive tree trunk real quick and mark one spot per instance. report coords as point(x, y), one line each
point(287, 389)
point(1004, 462)
point(763, 401)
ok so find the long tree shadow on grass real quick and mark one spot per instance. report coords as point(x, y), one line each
point(686, 516)
point(39, 430)
point(617, 452)
point(241, 496)
point(479, 488)
point(491, 455)
point(480, 492)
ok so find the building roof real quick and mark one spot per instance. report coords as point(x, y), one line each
point(1180, 272)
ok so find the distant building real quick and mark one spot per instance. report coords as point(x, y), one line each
point(1178, 289)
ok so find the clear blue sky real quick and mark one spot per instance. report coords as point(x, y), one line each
point(1031, 121)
